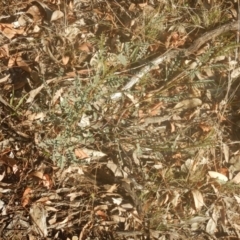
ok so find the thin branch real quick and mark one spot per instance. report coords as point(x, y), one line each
point(233, 26)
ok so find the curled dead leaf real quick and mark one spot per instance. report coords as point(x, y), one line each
point(175, 39)
point(26, 196)
point(36, 12)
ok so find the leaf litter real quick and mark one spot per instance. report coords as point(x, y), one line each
point(161, 163)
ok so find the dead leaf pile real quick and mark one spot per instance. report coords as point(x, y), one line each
point(161, 163)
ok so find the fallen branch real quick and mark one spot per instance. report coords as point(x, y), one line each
point(233, 26)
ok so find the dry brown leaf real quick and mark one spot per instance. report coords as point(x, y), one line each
point(235, 73)
point(173, 128)
point(22, 21)
point(202, 50)
point(237, 199)
point(86, 47)
point(9, 31)
point(35, 116)
point(56, 96)
point(52, 209)
point(16, 60)
point(113, 188)
point(155, 47)
point(71, 5)
point(132, 7)
point(14, 168)
point(165, 199)
point(198, 199)
point(175, 40)
point(177, 155)
point(101, 214)
point(236, 179)
point(75, 195)
point(11, 61)
point(43, 200)
point(56, 15)
point(22, 64)
point(117, 201)
point(116, 170)
point(44, 9)
point(2, 175)
point(211, 226)
point(226, 152)
point(53, 219)
point(80, 72)
point(8, 161)
point(27, 191)
point(65, 60)
point(156, 109)
point(37, 174)
point(93, 154)
point(135, 156)
point(4, 51)
point(142, 5)
point(224, 171)
point(176, 199)
point(79, 153)
point(36, 12)
point(205, 127)
point(47, 181)
point(127, 206)
point(39, 216)
point(32, 237)
point(221, 117)
point(118, 219)
point(101, 207)
point(4, 79)
point(141, 114)
point(34, 93)
point(26, 196)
